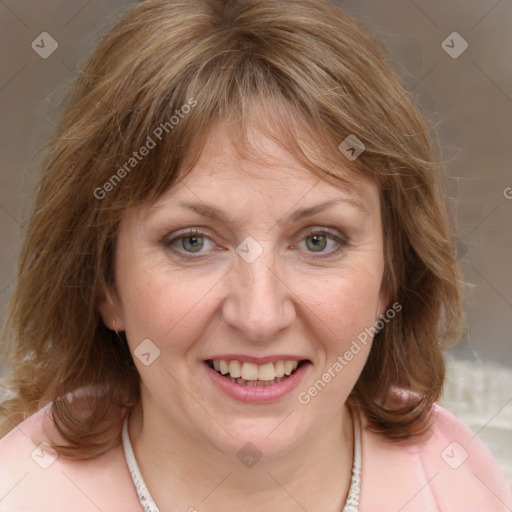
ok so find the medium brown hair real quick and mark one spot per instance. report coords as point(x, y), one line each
point(304, 61)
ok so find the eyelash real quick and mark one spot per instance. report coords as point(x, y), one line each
point(330, 234)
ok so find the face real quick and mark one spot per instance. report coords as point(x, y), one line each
point(251, 268)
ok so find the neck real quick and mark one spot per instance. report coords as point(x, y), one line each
point(192, 475)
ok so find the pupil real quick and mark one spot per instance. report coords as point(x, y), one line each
point(319, 241)
point(194, 240)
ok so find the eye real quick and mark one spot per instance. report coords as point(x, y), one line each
point(191, 241)
point(317, 240)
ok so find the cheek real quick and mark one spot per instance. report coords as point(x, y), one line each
point(343, 306)
point(161, 306)
point(342, 312)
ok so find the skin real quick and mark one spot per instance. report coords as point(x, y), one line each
point(297, 298)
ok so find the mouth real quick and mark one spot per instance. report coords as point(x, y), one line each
point(248, 373)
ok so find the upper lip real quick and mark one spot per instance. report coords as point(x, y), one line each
point(256, 360)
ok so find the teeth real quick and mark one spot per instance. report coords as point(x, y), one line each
point(279, 366)
point(254, 382)
point(235, 370)
point(266, 372)
point(223, 367)
point(288, 367)
point(252, 372)
point(249, 371)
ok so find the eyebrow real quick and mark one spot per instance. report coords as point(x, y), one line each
point(214, 213)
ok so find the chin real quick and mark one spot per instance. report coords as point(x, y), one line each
point(269, 439)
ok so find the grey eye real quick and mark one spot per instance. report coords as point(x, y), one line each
point(319, 242)
point(193, 243)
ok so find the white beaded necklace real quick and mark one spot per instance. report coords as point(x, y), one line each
point(149, 505)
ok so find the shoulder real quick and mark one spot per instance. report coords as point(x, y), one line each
point(449, 469)
point(34, 477)
point(465, 466)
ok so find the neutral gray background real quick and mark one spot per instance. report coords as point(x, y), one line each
point(469, 99)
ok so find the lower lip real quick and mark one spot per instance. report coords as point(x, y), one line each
point(258, 394)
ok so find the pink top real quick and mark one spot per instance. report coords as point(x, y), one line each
point(450, 471)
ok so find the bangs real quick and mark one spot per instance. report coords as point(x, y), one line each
point(158, 120)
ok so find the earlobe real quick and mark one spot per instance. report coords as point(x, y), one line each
point(384, 303)
point(108, 305)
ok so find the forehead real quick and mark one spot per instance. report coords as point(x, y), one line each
point(226, 170)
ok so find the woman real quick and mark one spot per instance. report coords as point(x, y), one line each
point(237, 281)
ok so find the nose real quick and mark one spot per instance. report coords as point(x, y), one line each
point(260, 301)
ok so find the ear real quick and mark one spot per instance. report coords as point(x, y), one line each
point(385, 293)
point(384, 301)
point(109, 307)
